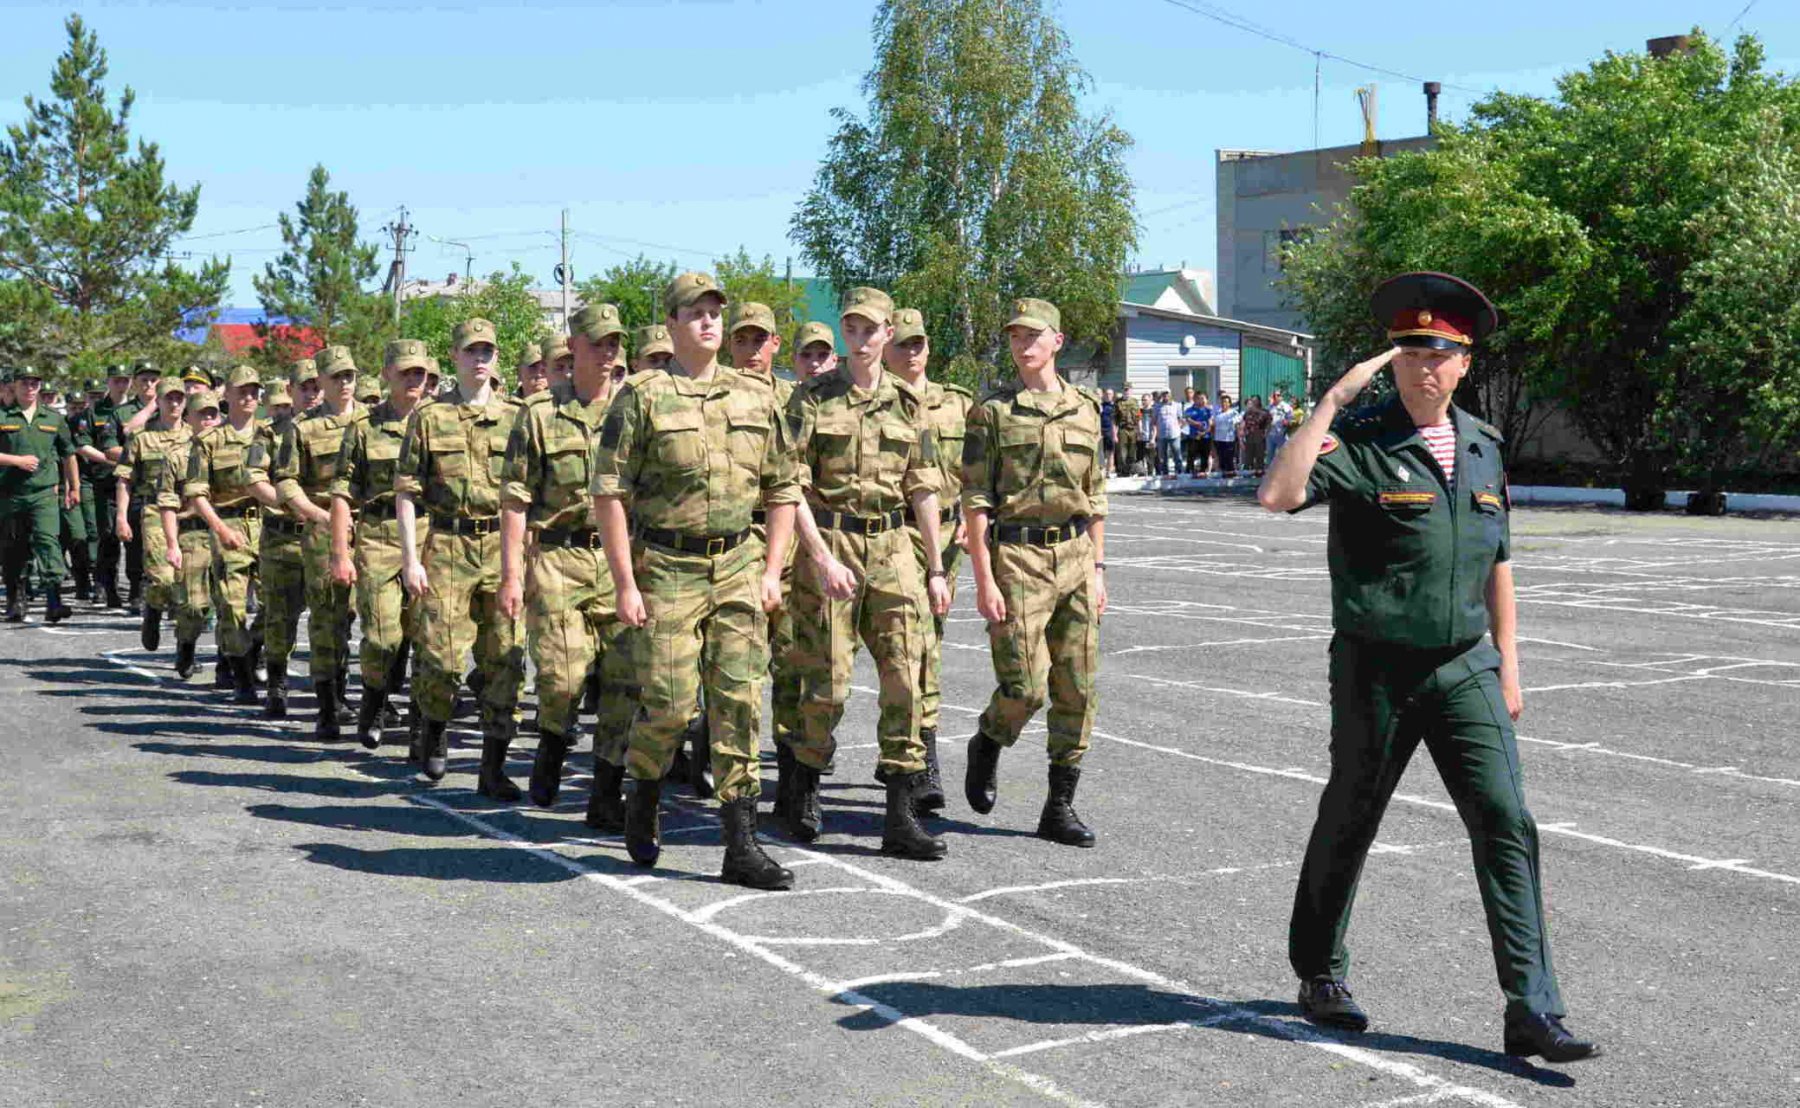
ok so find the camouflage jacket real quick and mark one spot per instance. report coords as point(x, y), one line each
point(451, 457)
point(1034, 457)
point(548, 462)
point(862, 451)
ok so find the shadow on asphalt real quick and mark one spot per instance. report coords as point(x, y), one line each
point(439, 863)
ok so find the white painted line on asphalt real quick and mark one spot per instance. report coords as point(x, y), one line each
point(1407, 1101)
point(1008, 890)
point(885, 979)
point(1618, 684)
point(717, 906)
point(1217, 642)
point(1107, 1034)
point(1244, 694)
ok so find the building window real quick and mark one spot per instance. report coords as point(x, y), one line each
point(1276, 243)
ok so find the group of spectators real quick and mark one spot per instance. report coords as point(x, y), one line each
point(1196, 435)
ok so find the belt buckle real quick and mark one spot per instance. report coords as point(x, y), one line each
point(1052, 536)
point(873, 525)
point(715, 545)
point(481, 527)
point(593, 540)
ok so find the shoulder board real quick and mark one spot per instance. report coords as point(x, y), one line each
point(963, 391)
point(1089, 395)
point(643, 377)
point(1004, 391)
point(508, 400)
point(363, 414)
point(541, 397)
point(1487, 429)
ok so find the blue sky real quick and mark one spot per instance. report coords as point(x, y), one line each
point(686, 128)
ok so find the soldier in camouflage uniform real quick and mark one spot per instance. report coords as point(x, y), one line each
point(694, 450)
point(306, 461)
point(1034, 495)
point(450, 461)
point(138, 473)
point(534, 376)
point(559, 363)
point(864, 455)
point(280, 566)
point(126, 420)
point(303, 379)
point(228, 487)
point(1126, 418)
point(946, 409)
point(362, 505)
point(187, 544)
point(651, 349)
point(568, 601)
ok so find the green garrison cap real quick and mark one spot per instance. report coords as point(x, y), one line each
point(201, 401)
point(653, 339)
point(596, 321)
point(408, 354)
point(872, 304)
point(242, 375)
point(1038, 315)
point(909, 323)
point(555, 347)
point(815, 332)
point(530, 354)
point(303, 371)
point(471, 331)
point(752, 314)
point(689, 287)
point(173, 384)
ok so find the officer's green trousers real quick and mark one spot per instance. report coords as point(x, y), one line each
point(31, 537)
point(1385, 700)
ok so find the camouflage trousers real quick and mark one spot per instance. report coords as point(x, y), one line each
point(159, 575)
point(931, 664)
point(282, 586)
point(888, 615)
point(1049, 647)
point(784, 682)
point(387, 613)
point(327, 605)
point(571, 624)
point(460, 612)
point(706, 625)
point(233, 574)
point(193, 584)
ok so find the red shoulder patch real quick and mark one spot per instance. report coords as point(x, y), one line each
point(1328, 444)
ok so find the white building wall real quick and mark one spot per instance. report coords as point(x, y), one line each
point(1152, 347)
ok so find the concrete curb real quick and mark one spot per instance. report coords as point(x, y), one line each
point(1521, 494)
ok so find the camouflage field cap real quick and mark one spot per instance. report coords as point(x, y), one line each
point(653, 339)
point(242, 375)
point(368, 390)
point(303, 371)
point(751, 314)
point(278, 395)
point(1038, 315)
point(335, 361)
point(909, 323)
point(872, 304)
point(197, 375)
point(471, 331)
point(432, 370)
point(202, 401)
point(596, 321)
point(555, 348)
point(815, 332)
point(403, 354)
point(172, 384)
point(689, 287)
point(529, 355)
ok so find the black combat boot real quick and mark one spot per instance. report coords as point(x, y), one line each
point(326, 728)
point(82, 570)
point(981, 780)
point(135, 598)
point(606, 802)
point(746, 863)
point(700, 774)
point(784, 780)
point(150, 631)
point(434, 749)
point(222, 675)
point(242, 680)
point(930, 794)
point(803, 818)
point(275, 705)
point(547, 767)
point(370, 715)
point(55, 611)
point(1059, 823)
point(111, 591)
point(184, 660)
point(491, 781)
point(346, 713)
point(901, 834)
point(643, 821)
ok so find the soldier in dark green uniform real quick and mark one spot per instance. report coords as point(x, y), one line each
point(1419, 546)
point(78, 518)
point(37, 455)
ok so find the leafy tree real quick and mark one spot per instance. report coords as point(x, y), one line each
point(503, 299)
point(86, 223)
point(317, 282)
point(975, 177)
point(635, 287)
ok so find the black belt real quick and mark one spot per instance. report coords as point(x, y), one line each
point(461, 525)
point(380, 510)
point(281, 525)
point(1041, 536)
point(238, 511)
point(860, 525)
point(191, 523)
point(710, 545)
point(945, 515)
point(583, 538)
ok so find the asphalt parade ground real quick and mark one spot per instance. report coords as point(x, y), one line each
point(204, 908)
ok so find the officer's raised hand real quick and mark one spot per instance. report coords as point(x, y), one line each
point(1351, 384)
point(1284, 486)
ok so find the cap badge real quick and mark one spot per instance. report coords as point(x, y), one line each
point(1425, 319)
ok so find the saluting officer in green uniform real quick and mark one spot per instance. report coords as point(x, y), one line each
point(1418, 547)
point(37, 455)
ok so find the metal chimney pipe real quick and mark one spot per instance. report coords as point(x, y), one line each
point(1432, 90)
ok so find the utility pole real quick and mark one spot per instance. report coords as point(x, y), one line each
point(564, 271)
point(396, 278)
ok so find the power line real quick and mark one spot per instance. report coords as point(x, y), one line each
point(226, 234)
point(1740, 17)
point(1238, 22)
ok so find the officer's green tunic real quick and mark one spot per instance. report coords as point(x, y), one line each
point(30, 508)
point(1411, 555)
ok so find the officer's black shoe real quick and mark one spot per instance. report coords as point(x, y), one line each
point(606, 802)
point(1326, 1001)
point(1538, 1034)
point(111, 591)
point(492, 781)
point(275, 706)
point(643, 821)
point(55, 611)
point(326, 728)
point(184, 660)
point(370, 716)
point(547, 768)
point(243, 681)
point(981, 780)
point(434, 749)
point(15, 610)
point(901, 833)
point(746, 863)
point(1059, 823)
point(150, 631)
point(930, 795)
point(803, 818)
point(700, 773)
point(784, 780)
